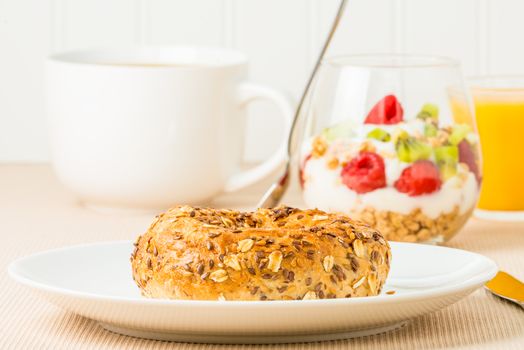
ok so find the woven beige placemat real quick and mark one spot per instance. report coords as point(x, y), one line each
point(36, 213)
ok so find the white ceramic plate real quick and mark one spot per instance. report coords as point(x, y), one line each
point(95, 281)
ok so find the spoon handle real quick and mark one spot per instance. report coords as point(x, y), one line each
point(274, 194)
point(294, 133)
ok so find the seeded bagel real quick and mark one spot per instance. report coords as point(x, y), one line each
point(270, 254)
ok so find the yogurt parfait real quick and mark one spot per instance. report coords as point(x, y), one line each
point(415, 179)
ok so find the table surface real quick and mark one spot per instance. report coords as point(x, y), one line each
point(37, 213)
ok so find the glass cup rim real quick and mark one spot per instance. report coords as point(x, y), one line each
point(392, 61)
point(502, 83)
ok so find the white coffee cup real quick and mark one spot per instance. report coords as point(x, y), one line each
point(152, 127)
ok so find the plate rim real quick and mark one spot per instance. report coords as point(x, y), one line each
point(474, 282)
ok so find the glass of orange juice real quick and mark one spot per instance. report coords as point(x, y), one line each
point(499, 110)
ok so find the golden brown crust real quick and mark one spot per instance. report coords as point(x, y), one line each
point(271, 254)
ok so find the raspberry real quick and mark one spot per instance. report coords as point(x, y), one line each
point(420, 178)
point(386, 111)
point(364, 173)
point(467, 156)
point(301, 170)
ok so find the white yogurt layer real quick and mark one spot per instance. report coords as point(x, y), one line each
point(324, 189)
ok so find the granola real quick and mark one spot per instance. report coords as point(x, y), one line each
point(415, 226)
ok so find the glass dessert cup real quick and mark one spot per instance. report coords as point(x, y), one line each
point(391, 140)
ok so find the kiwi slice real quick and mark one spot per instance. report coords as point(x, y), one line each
point(410, 150)
point(428, 111)
point(430, 130)
point(446, 154)
point(458, 133)
point(447, 171)
point(447, 159)
point(379, 134)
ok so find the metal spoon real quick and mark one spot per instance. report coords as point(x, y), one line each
point(274, 194)
point(507, 287)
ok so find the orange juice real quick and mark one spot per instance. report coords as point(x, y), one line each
point(500, 122)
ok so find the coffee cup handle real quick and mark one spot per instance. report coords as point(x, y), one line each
point(247, 93)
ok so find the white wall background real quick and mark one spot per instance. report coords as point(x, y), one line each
point(281, 37)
